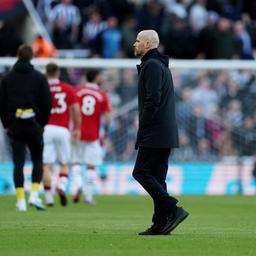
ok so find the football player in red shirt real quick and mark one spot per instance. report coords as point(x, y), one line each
point(93, 104)
point(57, 138)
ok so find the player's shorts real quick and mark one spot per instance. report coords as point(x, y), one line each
point(57, 146)
point(87, 153)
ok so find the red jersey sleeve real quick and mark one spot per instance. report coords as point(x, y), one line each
point(72, 98)
point(105, 104)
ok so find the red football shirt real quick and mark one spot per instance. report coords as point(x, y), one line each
point(93, 103)
point(63, 95)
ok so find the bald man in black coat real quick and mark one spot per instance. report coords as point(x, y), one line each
point(157, 133)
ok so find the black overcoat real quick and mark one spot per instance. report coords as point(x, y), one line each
point(156, 99)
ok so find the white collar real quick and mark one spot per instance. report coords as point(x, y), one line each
point(54, 81)
point(92, 85)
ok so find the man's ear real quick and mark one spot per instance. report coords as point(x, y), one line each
point(147, 44)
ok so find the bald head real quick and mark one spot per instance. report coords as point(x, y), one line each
point(145, 41)
point(150, 36)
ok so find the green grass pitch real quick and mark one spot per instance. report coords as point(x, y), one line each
point(217, 225)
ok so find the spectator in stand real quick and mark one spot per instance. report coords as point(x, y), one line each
point(215, 128)
point(248, 95)
point(127, 88)
point(249, 6)
point(119, 9)
point(65, 19)
point(44, 8)
point(43, 49)
point(129, 32)
point(184, 107)
point(233, 115)
point(150, 15)
point(244, 137)
point(214, 5)
point(175, 7)
point(198, 15)
point(245, 41)
point(204, 96)
point(232, 92)
point(204, 150)
point(225, 144)
point(9, 39)
point(206, 38)
point(185, 152)
point(179, 41)
point(219, 85)
point(225, 45)
point(197, 127)
point(92, 28)
point(109, 42)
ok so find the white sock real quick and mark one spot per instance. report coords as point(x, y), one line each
point(62, 183)
point(49, 197)
point(89, 182)
point(34, 194)
point(21, 205)
point(76, 179)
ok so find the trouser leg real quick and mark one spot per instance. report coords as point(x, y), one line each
point(150, 171)
point(18, 156)
point(35, 145)
point(159, 171)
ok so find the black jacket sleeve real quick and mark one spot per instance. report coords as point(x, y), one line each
point(45, 102)
point(153, 88)
point(2, 104)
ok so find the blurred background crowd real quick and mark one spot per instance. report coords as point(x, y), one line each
point(216, 109)
point(188, 29)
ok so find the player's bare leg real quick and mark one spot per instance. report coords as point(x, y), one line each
point(47, 181)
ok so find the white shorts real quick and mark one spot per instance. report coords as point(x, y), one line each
point(87, 153)
point(56, 145)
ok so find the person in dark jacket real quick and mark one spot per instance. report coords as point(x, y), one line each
point(157, 133)
point(25, 105)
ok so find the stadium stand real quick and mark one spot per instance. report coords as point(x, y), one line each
point(184, 26)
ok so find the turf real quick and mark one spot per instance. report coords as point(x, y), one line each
point(216, 226)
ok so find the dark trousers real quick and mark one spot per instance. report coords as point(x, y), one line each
point(150, 171)
point(24, 134)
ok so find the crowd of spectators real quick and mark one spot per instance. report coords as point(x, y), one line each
point(216, 112)
point(188, 29)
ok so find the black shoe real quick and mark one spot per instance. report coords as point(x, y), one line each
point(175, 220)
point(153, 230)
